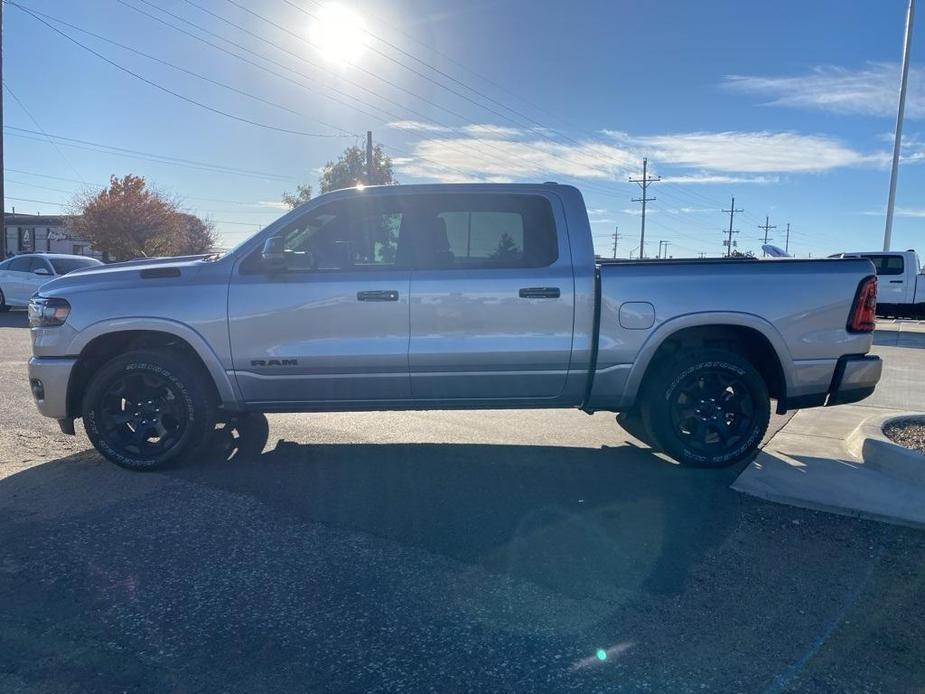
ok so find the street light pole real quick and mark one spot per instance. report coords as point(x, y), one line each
point(898, 136)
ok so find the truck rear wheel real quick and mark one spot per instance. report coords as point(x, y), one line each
point(144, 409)
point(709, 408)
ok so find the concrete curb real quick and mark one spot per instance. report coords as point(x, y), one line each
point(808, 464)
point(869, 444)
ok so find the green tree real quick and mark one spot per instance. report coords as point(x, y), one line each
point(303, 193)
point(350, 169)
point(130, 220)
point(506, 249)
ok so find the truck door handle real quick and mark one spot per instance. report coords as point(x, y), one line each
point(896, 281)
point(378, 295)
point(539, 293)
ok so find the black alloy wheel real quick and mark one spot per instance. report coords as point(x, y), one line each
point(709, 408)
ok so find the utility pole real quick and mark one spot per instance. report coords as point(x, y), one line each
point(667, 243)
point(616, 237)
point(2, 198)
point(898, 135)
point(644, 183)
point(787, 242)
point(702, 255)
point(369, 157)
point(732, 212)
point(767, 227)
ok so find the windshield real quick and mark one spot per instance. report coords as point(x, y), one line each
point(63, 266)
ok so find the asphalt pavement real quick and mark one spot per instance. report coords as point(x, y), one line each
point(505, 551)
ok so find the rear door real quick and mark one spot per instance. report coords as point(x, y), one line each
point(492, 297)
point(892, 284)
point(332, 326)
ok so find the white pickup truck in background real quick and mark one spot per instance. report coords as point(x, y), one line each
point(901, 283)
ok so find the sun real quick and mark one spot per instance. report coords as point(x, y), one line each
point(338, 33)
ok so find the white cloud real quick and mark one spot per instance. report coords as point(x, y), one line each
point(485, 152)
point(753, 152)
point(915, 212)
point(872, 90)
point(418, 126)
point(720, 178)
point(488, 130)
point(274, 204)
point(491, 159)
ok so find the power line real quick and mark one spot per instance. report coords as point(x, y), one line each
point(391, 115)
point(161, 87)
point(360, 68)
point(732, 212)
point(644, 183)
point(42, 130)
point(137, 154)
point(187, 71)
point(767, 227)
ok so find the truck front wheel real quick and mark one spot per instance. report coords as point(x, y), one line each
point(145, 408)
point(709, 408)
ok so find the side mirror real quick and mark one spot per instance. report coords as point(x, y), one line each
point(42, 271)
point(272, 255)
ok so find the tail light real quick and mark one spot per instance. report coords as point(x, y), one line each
point(864, 310)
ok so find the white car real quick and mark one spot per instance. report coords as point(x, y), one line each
point(22, 275)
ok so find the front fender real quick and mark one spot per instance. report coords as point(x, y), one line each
point(225, 386)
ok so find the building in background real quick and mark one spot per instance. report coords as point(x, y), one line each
point(37, 233)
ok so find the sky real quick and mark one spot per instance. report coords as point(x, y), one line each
point(225, 104)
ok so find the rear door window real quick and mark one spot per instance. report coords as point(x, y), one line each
point(460, 231)
point(887, 264)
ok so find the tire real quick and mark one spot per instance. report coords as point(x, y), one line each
point(144, 409)
point(3, 305)
point(709, 408)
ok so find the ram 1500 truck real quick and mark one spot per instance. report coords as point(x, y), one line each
point(447, 296)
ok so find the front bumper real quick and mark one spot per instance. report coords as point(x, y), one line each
point(49, 378)
point(855, 378)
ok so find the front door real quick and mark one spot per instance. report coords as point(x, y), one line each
point(332, 325)
point(492, 298)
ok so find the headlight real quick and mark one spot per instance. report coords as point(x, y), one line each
point(47, 313)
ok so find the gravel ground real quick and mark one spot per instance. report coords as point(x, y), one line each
point(909, 433)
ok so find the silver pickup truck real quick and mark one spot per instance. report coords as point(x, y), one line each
point(447, 296)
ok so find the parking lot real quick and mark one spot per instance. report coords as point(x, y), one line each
point(440, 551)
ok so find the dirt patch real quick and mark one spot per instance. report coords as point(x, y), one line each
point(907, 432)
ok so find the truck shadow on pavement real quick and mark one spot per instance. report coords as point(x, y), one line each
point(582, 521)
point(573, 519)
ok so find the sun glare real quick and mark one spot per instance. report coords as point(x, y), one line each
point(338, 33)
